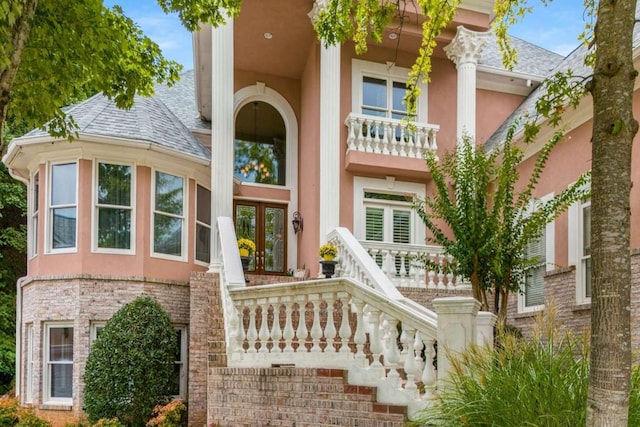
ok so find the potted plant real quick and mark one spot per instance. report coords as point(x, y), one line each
point(246, 247)
point(328, 252)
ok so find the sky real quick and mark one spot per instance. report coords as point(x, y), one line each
point(554, 27)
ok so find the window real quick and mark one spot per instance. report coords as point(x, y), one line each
point(114, 209)
point(585, 250)
point(62, 206)
point(534, 278)
point(260, 146)
point(95, 330)
point(58, 363)
point(35, 211)
point(168, 214)
point(28, 391)
point(180, 364)
point(379, 90)
point(579, 242)
point(203, 224)
point(542, 252)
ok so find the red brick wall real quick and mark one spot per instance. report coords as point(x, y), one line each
point(294, 397)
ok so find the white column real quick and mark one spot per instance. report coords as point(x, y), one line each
point(465, 50)
point(456, 329)
point(329, 139)
point(222, 133)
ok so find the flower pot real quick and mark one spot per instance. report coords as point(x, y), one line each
point(244, 252)
point(246, 260)
point(328, 268)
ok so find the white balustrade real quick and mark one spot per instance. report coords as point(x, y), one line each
point(398, 262)
point(393, 137)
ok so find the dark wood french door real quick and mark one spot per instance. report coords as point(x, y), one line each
point(265, 224)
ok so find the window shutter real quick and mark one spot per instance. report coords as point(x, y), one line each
point(534, 281)
point(401, 226)
point(374, 224)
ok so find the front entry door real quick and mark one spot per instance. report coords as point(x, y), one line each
point(264, 224)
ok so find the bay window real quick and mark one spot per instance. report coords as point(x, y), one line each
point(63, 206)
point(168, 214)
point(114, 207)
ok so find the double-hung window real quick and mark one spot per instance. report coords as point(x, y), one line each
point(114, 207)
point(62, 206)
point(168, 215)
point(579, 242)
point(203, 224)
point(28, 390)
point(58, 363)
point(180, 363)
point(35, 213)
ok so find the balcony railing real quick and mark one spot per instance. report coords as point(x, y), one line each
point(399, 263)
point(391, 137)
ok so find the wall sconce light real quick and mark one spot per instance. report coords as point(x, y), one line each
point(297, 222)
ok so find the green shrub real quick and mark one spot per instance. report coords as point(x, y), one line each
point(538, 382)
point(108, 422)
point(130, 369)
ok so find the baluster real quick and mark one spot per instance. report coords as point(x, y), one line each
point(410, 367)
point(393, 140)
point(235, 331)
point(252, 332)
point(363, 129)
point(434, 144)
point(404, 274)
point(418, 144)
point(351, 141)
point(431, 274)
point(375, 342)
point(392, 355)
point(385, 138)
point(316, 329)
point(359, 338)
point(418, 346)
point(411, 147)
point(402, 142)
point(429, 373)
point(302, 331)
point(276, 330)
point(264, 329)
point(368, 140)
point(330, 329)
point(345, 328)
point(288, 332)
point(441, 274)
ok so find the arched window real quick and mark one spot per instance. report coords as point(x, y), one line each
point(260, 154)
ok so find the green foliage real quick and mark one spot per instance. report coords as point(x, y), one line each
point(537, 382)
point(72, 43)
point(108, 422)
point(130, 368)
point(491, 222)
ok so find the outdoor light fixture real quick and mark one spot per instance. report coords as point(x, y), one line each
point(297, 222)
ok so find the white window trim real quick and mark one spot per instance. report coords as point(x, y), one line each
point(195, 238)
point(184, 368)
point(360, 68)
point(49, 208)
point(93, 330)
point(183, 217)
point(575, 243)
point(34, 215)
point(550, 256)
point(389, 186)
point(94, 211)
point(28, 389)
point(46, 392)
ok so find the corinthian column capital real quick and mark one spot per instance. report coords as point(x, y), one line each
point(466, 46)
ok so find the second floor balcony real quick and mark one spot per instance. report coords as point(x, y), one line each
point(392, 146)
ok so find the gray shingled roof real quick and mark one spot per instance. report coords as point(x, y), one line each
point(148, 120)
point(575, 62)
point(532, 59)
point(181, 100)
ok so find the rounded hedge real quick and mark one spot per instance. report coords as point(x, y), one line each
point(130, 368)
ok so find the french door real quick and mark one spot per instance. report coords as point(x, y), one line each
point(264, 224)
